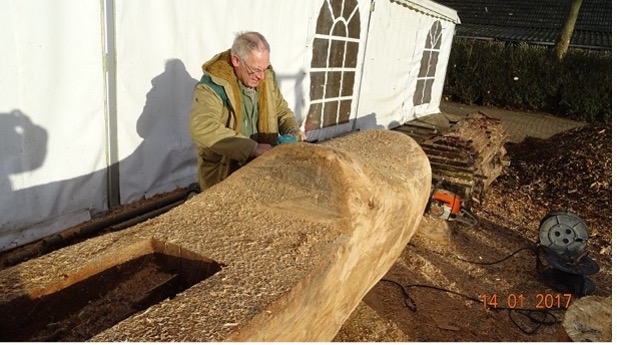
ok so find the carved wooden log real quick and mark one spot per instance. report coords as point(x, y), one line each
point(300, 235)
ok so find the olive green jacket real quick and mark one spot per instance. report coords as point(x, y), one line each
point(215, 126)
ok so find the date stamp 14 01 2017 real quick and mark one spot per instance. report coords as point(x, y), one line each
point(520, 301)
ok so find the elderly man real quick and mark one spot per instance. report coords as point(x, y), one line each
point(238, 111)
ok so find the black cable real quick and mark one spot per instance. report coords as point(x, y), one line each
point(533, 249)
point(409, 302)
point(528, 313)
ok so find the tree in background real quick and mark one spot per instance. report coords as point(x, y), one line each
point(562, 43)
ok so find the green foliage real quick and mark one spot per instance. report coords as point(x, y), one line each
point(587, 91)
point(528, 77)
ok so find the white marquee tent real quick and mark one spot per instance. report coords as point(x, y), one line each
point(94, 94)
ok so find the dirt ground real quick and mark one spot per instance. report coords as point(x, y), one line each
point(569, 171)
point(435, 293)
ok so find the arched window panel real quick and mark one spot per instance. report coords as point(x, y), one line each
point(428, 65)
point(433, 39)
point(334, 63)
point(337, 9)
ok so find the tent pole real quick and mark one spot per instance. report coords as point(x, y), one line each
point(111, 109)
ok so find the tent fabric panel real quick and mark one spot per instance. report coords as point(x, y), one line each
point(52, 114)
point(396, 35)
point(412, 111)
point(392, 70)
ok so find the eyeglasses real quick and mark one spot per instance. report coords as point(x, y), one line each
point(251, 70)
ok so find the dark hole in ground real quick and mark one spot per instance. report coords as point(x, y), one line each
point(90, 306)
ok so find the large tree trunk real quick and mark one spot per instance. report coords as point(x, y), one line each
point(299, 236)
point(563, 42)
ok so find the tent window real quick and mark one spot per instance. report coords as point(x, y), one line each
point(428, 66)
point(333, 67)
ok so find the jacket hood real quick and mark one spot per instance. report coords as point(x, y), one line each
point(220, 66)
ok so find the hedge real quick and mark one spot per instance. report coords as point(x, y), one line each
point(527, 77)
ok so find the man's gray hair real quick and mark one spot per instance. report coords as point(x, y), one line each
point(247, 42)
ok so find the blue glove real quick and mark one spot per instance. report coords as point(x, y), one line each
point(286, 138)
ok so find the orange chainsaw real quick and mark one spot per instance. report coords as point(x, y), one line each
point(446, 205)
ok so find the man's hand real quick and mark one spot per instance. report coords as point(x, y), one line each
point(299, 134)
point(260, 149)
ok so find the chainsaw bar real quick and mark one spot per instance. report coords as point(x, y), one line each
point(465, 216)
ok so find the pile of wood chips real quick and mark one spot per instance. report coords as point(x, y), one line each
point(569, 171)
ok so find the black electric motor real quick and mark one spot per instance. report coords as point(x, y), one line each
point(562, 260)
